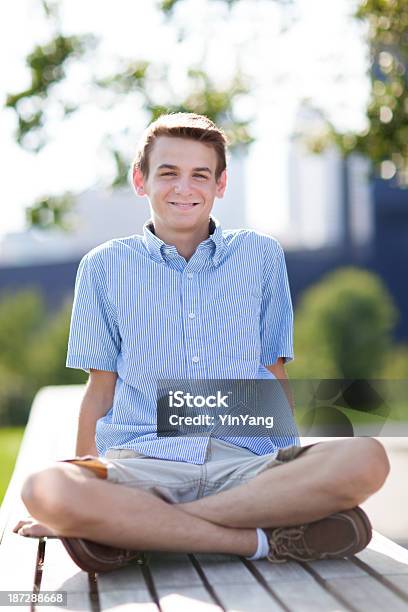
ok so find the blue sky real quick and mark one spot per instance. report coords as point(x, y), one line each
point(322, 56)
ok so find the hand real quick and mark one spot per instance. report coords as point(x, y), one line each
point(31, 528)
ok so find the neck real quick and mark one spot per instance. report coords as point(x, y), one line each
point(185, 242)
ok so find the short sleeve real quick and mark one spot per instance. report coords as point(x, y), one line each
point(94, 339)
point(276, 320)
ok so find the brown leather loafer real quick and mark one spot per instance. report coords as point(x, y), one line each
point(339, 535)
point(94, 557)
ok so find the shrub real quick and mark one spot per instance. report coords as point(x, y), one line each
point(33, 348)
point(343, 327)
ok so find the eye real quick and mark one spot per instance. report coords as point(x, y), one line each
point(200, 176)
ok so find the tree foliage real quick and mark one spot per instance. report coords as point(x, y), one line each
point(343, 327)
point(33, 348)
point(137, 79)
point(47, 64)
point(385, 139)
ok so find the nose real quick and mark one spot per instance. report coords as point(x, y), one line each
point(182, 187)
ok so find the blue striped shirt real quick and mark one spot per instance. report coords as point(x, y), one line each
point(141, 310)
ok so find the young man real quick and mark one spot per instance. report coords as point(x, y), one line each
point(188, 300)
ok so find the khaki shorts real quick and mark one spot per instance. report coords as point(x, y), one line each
point(226, 466)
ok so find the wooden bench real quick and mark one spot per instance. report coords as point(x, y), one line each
point(376, 579)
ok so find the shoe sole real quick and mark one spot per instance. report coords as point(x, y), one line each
point(362, 527)
point(365, 521)
point(91, 560)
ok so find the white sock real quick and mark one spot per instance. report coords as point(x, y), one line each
point(263, 546)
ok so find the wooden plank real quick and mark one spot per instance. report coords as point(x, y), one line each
point(173, 570)
point(359, 589)
point(296, 587)
point(306, 596)
point(234, 585)
point(122, 579)
point(18, 557)
point(178, 585)
point(385, 556)
point(60, 573)
point(336, 568)
point(400, 582)
point(187, 599)
point(278, 572)
point(121, 589)
point(47, 434)
point(125, 600)
point(366, 593)
point(388, 560)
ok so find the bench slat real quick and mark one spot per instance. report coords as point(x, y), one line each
point(385, 556)
point(188, 599)
point(296, 587)
point(366, 593)
point(49, 435)
point(306, 596)
point(172, 572)
point(60, 573)
point(234, 585)
point(124, 586)
point(17, 562)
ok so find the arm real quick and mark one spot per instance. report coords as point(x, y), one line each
point(96, 402)
point(278, 370)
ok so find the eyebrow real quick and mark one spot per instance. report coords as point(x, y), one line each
point(173, 167)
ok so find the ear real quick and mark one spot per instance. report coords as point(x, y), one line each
point(138, 182)
point(221, 184)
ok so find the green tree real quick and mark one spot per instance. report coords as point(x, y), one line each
point(47, 353)
point(33, 348)
point(343, 327)
point(384, 141)
point(21, 316)
point(49, 65)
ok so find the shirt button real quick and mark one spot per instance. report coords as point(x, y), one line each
point(189, 275)
point(195, 359)
point(191, 315)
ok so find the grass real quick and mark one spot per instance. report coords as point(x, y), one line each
point(10, 439)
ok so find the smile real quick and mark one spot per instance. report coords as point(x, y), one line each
point(184, 206)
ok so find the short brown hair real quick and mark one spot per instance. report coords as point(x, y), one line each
point(182, 125)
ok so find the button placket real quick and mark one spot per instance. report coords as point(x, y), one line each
point(192, 326)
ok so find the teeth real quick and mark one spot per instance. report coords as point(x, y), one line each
point(184, 204)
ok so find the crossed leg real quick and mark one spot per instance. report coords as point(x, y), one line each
point(332, 476)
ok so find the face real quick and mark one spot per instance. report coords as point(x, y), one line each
point(181, 185)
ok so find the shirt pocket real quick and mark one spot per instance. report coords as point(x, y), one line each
point(238, 305)
point(235, 324)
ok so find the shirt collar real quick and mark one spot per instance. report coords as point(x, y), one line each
point(155, 245)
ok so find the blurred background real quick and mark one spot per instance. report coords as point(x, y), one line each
point(313, 97)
